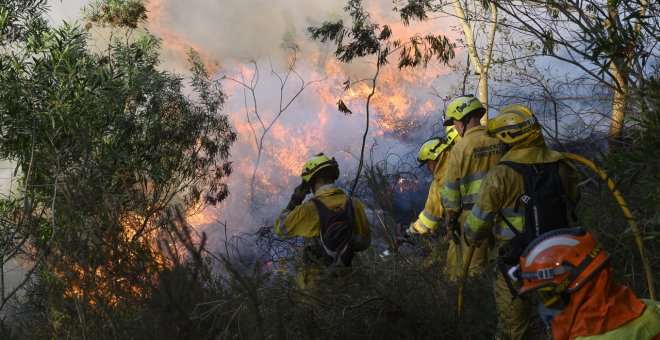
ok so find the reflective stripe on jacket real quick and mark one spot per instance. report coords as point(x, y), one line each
point(429, 218)
point(303, 220)
point(468, 162)
point(503, 186)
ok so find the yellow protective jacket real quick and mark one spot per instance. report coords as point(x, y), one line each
point(468, 162)
point(429, 218)
point(303, 220)
point(503, 186)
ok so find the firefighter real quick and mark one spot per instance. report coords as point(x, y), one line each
point(300, 219)
point(570, 272)
point(498, 207)
point(433, 153)
point(467, 164)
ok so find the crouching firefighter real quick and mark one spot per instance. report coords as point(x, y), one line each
point(333, 225)
point(530, 191)
point(433, 153)
point(570, 273)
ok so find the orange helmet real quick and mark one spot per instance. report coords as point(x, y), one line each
point(560, 261)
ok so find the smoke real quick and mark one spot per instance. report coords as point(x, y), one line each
point(405, 110)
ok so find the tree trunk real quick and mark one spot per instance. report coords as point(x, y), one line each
point(619, 98)
point(483, 94)
point(620, 68)
point(481, 67)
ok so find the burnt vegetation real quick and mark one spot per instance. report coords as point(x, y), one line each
point(111, 153)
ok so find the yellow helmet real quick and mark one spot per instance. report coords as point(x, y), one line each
point(431, 150)
point(513, 124)
point(461, 107)
point(451, 134)
point(315, 164)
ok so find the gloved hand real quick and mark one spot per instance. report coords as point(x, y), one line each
point(298, 195)
point(404, 232)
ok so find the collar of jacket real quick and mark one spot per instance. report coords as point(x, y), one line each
point(532, 155)
point(327, 190)
point(474, 130)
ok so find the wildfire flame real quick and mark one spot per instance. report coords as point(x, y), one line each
point(312, 124)
point(111, 289)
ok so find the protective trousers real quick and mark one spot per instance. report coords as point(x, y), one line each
point(513, 314)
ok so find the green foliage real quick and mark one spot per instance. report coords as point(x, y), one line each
point(414, 10)
point(107, 146)
point(633, 167)
point(365, 38)
point(21, 18)
point(118, 13)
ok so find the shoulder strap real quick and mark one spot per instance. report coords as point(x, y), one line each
point(321, 208)
point(520, 168)
point(523, 168)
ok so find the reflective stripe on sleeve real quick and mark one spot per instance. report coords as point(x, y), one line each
point(486, 216)
point(430, 217)
point(475, 235)
point(470, 186)
point(502, 229)
point(420, 227)
point(478, 223)
point(279, 223)
point(451, 195)
point(426, 222)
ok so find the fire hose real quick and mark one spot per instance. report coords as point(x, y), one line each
point(626, 212)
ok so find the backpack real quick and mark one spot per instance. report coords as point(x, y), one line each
point(337, 229)
point(544, 202)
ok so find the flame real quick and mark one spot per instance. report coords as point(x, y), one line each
point(110, 289)
point(312, 124)
point(407, 184)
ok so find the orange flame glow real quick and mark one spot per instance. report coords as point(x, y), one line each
point(313, 123)
point(174, 41)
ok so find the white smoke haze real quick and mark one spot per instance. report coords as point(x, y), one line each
point(404, 112)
